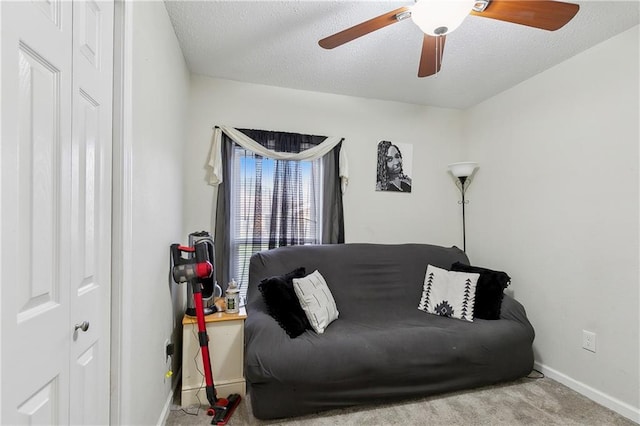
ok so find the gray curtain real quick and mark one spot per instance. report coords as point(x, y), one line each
point(332, 214)
point(222, 242)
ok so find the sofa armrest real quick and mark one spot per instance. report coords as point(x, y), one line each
point(513, 310)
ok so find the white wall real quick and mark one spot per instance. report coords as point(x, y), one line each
point(568, 239)
point(428, 214)
point(555, 204)
point(156, 137)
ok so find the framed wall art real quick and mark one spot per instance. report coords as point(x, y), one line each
point(394, 167)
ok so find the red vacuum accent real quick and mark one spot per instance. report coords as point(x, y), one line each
point(204, 345)
point(204, 270)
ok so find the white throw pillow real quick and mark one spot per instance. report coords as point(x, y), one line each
point(316, 300)
point(449, 293)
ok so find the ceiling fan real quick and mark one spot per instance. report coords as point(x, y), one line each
point(437, 18)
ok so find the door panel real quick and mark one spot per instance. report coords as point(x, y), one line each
point(87, 372)
point(91, 209)
point(38, 168)
point(35, 198)
point(41, 407)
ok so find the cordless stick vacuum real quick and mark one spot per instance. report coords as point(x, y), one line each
point(194, 270)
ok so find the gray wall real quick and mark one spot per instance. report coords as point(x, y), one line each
point(156, 95)
point(555, 203)
point(427, 214)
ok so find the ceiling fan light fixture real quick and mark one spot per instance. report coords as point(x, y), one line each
point(440, 17)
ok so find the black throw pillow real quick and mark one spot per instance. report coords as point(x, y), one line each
point(489, 290)
point(282, 302)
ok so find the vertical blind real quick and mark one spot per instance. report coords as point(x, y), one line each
point(273, 203)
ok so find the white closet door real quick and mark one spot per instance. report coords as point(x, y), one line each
point(91, 210)
point(55, 200)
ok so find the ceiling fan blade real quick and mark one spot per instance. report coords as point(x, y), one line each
point(431, 58)
point(544, 14)
point(366, 27)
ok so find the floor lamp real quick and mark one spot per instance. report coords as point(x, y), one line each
point(462, 172)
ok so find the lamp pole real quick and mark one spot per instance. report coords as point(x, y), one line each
point(463, 179)
point(462, 171)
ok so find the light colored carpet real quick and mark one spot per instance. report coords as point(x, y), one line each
point(524, 402)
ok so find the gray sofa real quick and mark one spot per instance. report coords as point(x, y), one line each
point(381, 348)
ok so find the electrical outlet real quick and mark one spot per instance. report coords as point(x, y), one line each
point(170, 350)
point(589, 340)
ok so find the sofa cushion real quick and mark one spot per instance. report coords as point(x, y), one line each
point(316, 300)
point(282, 302)
point(449, 293)
point(489, 291)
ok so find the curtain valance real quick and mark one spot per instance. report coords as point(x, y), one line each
point(215, 157)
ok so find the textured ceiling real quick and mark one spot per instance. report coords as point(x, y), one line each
point(276, 43)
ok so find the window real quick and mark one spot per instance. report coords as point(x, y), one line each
point(274, 189)
point(273, 203)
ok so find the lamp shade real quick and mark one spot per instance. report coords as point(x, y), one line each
point(439, 17)
point(462, 169)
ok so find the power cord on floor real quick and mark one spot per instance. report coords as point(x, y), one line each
point(187, 412)
point(535, 374)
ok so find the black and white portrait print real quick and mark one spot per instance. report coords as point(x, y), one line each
point(394, 167)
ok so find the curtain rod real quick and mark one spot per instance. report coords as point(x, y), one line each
point(341, 139)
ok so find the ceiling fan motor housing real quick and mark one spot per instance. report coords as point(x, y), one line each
point(441, 31)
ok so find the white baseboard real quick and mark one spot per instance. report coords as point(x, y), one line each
point(620, 407)
point(164, 414)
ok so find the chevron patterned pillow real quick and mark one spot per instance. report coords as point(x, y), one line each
point(448, 293)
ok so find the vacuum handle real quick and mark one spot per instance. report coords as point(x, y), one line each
point(202, 252)
point(176, 254)
point(185, 270)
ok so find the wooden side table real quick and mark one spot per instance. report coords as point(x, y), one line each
point(226, 349)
